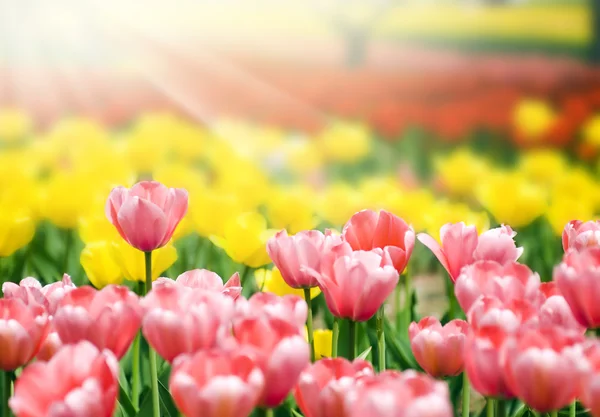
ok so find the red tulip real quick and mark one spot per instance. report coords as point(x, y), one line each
point(357, 283)
point(23, 328)
point(203, 279)
point(147, 214)
point(216, 383)
point(368, 230)
point(293, 254)
point(290, 308)
point(178, 321)
point(393, 393)
point(439, 349)
point(78, 381)
point(461, 246)
point(579, 235)
point(578, 279)
point(108, 318)
point(483, 361)
point(31, 292)
point(280, 350)
point(541, 368)
point(511, 281)
point(323, 387)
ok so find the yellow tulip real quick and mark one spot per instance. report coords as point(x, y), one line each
point(533, 118)
point(272, 281)
point(14, 125)
point(65, 199)
point(591, 131)
point(303, 156)
point(245, 238)
point(414, 207)
point(98, 262)
point(323, 342)
point(544, 166)
point(512, 199)
point(245, 179)
point(578, 184)
point(291, 208)
point(209, 210)
point(460, 170)
point(17, 228)
point(345, 141)
point(443, 212)
point(379, 192)
point(132, 263)
point(338, 203)
point(564, 208)
point(147, 145)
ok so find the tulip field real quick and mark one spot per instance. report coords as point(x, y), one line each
point(416, 236)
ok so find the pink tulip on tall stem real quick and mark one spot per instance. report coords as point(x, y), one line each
point(146, 216)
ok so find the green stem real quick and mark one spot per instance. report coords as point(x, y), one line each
point(490, 407)
point(352, 339)
point(407, 301)
point(135, 371)
point(554, 413)
point(248, 282)
point(264, 412)
point(9, 377)
point(500, 408)
point(68, 245)
point(380, 339)
point(151, 353)
point(453, 312)
point(335, 335)
point(398, 305)
point(573, 409)
point(309, 324)
point(466, 396)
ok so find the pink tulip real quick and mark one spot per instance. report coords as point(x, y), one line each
point(290, 308)
point(292, 254)
point(368, 230)
point(439, 349)
point(50, 347)
point(203, 279)
point(179, 321)
point(511, 281)
point(539, 368)
point(483, 361)
point(31, 292)
point(461, 246)
point(217, 383)
point(280, 351)
point(147, 214)
point(108, 318)
point(408, 394)
point(356, 284)
point(555, 311)
point(590, 384)
point(78, 381)
point(23, 328)
point(579, 235)
point(323, 387)
point(578, 279)
point(489, 311)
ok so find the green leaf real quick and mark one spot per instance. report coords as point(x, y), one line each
point(166, 400)
point(398, 347)
point(125, 403)
point(364, 355)
point(295, 413)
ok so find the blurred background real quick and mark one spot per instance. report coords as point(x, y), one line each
point(483, 111)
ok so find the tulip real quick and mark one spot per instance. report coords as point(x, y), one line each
point(439, 349)
point(323, 343)
point(368, 230)
point(579, 235)
point(555, 311)
point(483, 364)
point(84, 382)
point(590, 386)
point(245, 238)
point(578, 279)
point(147, 214)
point(178, 320)
point(506, 282)
point(132, 262)
point(217, 383)
point(322, 388)
point(291, 208)
point(17, 229)
point(489, 311)
point(461, 246)
point(280, 351)
point(290, 308)
point(356, 284)
point(23, 329)
point(393, 393)
point(293, 254)
point(203, 279)
point(539, 368)
point(99, 263)
point(108, 318)
point(270, 280)
point(50, 346)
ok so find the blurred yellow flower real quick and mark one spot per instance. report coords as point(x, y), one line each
point(345, 141)
point(272, 281)
point(533, 118)
point(379, 192)
point(460, 170)
point(303, 155)
point(291, 208)
point(544, 166)
point(323, 342)
point(512, 199)
point(132, 263)
point(16, 229)
point(578, 184)
point(99, 263)
point(338, 202)
point(564, 208)
point(244, 239)
point(444, 211)
point(96, 227)
point(413, 207)
point(210, 209)
point(15, 125)
point(591, 131)
point(66, 198)
point(245, 179)
point(148, 144)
